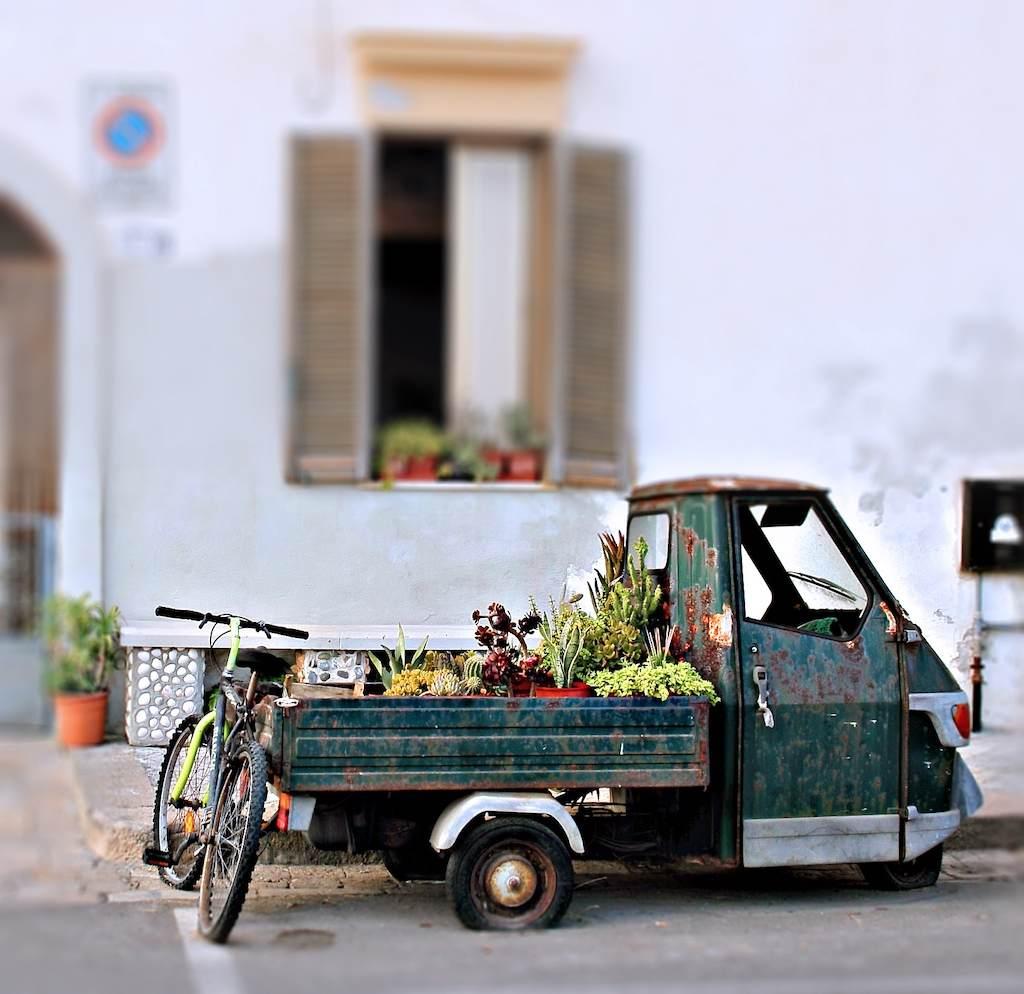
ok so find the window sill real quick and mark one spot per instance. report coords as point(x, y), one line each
point(442, 486)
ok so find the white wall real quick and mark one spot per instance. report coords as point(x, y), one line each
point(827, 285)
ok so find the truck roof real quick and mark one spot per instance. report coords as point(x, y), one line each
point(718, 484)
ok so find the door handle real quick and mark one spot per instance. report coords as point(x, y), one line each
point(760, 675)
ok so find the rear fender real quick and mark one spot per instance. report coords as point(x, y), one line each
point(459, 814)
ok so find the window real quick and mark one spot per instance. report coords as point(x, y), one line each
point(467, 271)
point(794, 573)
point(653, 528)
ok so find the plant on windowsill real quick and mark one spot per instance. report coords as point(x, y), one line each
point(465, 460)
point(410, 449)
point(523, 459)
point(82, 640)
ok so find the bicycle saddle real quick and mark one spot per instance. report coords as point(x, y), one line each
point(263, 662)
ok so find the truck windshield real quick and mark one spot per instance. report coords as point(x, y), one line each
point(653, 528)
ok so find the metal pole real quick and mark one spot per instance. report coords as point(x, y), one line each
point(976, 664)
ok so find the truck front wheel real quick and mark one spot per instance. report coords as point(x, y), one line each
point(510, 873)
point(914, 873)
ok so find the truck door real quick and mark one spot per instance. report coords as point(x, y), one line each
point(821, 696)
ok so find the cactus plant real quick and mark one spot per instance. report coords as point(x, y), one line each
point(445, 683)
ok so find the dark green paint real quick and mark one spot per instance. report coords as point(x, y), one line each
point(931, 767)
point(420, 743)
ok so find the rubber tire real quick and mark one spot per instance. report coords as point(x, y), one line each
point(169, 875)
point(475, 844)
point(414, 862)
point(911, 875)
point(219, 929)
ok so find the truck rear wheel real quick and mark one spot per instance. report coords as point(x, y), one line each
point(510, 873)
point(914, 873)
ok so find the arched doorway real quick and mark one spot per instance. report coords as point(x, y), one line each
point(29, 461)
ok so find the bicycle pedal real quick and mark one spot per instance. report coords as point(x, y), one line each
point(152, 856)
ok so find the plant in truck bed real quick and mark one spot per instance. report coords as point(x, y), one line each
point(661, 675)
point(508, 658)
point(393, 662)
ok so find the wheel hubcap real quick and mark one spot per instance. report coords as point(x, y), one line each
point(511, 881)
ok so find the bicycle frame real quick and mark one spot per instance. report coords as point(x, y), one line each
point(220, 733)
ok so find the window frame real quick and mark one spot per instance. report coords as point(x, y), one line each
point(844, 541)
point(668, 543)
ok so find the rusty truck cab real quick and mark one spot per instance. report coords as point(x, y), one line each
point(836, 738)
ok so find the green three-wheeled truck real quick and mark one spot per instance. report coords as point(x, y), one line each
point(835, 740)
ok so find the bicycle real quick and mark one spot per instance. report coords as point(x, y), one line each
point(216, 845)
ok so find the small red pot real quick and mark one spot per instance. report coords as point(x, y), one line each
point(522, 687)
point(523, 465)
point(495, 458)
point(419, 468)
point(578, 689)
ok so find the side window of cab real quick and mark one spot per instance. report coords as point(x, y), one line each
point(795, 574)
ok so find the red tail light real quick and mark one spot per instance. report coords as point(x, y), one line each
point(962, 719)
point(281, 822)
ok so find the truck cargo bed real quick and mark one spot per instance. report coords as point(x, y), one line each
point(479, 743)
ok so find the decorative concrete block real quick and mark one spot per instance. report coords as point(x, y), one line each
point(164, 687)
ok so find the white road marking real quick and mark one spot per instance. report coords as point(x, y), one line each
point(212, 966)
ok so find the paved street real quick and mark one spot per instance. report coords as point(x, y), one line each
point(71, 923)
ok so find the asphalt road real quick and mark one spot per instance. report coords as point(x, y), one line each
point(758, 931)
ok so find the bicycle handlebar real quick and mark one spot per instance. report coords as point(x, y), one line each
point(225, 619)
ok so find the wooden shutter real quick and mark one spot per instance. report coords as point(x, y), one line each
point(330, 368)
point(597, 242)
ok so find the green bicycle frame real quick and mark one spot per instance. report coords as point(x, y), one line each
point(209, 718)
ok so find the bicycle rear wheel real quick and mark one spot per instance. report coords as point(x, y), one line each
point(231, 853)
point(174, 824)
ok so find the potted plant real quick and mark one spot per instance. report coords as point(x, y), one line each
point(524, 458)
point(508, 662)
point(82, 642)
point(410, 449)
point(566, 646)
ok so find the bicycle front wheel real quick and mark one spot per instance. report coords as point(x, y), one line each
point(231, 852)
point(176, 825)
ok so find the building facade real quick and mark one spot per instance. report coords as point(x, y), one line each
point(687, 239)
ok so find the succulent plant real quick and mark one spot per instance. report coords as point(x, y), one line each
point(496, 667)
point(635, 602)
point(445, 683)
point(613, 552)
point(393, 661)
point(409, 683)
point(472, 684)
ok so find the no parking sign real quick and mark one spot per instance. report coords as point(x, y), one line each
point(129, 134)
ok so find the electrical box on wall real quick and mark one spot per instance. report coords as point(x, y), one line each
point(993, 526)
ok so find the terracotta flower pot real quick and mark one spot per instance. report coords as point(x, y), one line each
point(522, 687)
point(81, 718)
point(523, 465)
point(578, 689)
point(394, 468)
point(419, 468)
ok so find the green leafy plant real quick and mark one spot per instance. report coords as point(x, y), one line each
point(567, 639)
point(82, 642)
point(464, 460)
point(410, 438)
point(659, 680)
point(519, 429)
point(392, 662)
